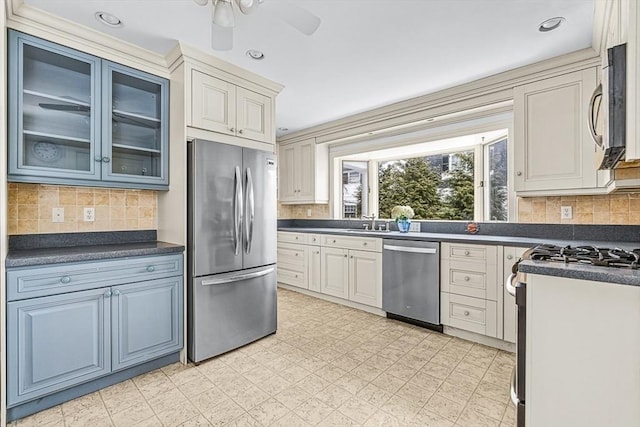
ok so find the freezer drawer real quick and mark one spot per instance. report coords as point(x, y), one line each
point(227, 311)
point(411, 280)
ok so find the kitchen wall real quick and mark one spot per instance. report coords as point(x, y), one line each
point(30, 205)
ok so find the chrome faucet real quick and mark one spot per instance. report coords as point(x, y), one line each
point(372, 217)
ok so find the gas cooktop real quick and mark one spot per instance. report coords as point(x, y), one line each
point(603, 257)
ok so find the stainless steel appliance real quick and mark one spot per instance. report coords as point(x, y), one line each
point(231, 247)
point(516, 285)
point(411, 281)
point(611, 96)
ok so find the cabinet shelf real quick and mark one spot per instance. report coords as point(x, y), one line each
point(136, 119)
point(55, 136)
point(134, 148)
point(64, 99)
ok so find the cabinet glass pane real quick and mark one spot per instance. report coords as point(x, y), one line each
point(136, 126)
point(56, 110)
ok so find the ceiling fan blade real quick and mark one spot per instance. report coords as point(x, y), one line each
point(299, 18)
point(247, 6)
point(221, 37)
point(201, 2)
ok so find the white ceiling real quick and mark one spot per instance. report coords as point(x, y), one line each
point(366, 53)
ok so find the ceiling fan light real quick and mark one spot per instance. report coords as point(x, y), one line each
point(223, 13)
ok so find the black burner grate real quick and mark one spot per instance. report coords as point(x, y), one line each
point(603, 257)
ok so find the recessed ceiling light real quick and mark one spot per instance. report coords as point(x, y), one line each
point(551, 24)
point(108, 19)
point(255, 54)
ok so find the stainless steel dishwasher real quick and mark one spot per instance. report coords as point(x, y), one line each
point(411, 281)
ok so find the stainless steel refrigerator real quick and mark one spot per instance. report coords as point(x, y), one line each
point(231, 247)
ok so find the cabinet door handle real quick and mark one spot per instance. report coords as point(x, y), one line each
point(232, 129)
point(467, 278)
point(345, 256)
point(107, 294)
point(466, 313)
point(240, 131)
point(151, 268)
point(467, 253)
point(106, 159)
point(519, 173)
point(364, 244)
point(116, 292)
point(65, 279)
point(334, 241)
point(351, 256)
point(98, 159)
point(509, 256)
point(296, 254)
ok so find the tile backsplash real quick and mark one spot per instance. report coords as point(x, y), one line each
point(30, 206)
point(300, 211)
point(605, 209)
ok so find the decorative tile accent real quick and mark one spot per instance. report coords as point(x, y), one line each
point(601, 209)
point(29, 209)
point(237, 388)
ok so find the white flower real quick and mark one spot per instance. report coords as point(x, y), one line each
point(402, 213)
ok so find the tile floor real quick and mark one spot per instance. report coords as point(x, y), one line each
point(328, 365)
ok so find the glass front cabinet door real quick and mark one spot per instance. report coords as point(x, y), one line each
point(54, 113)
point(134, 129)
point(80, 120)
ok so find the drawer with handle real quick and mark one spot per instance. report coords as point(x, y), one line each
point(289, 237)
point(43, 280)
point(292, 277)
point(470, 279)
point(347, 242)
point(471, 314)
point(292, 255)
point(471, 253)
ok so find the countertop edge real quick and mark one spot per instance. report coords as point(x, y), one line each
point(614, 275)
point(26, 260)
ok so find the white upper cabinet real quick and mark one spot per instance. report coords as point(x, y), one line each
point(303, 173)
point(223, 107)
point(554, 152)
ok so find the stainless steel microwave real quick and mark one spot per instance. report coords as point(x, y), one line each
point(608, 105)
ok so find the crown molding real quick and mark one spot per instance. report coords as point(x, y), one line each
point(28, 19)
point(495, 88)
point(205, 61)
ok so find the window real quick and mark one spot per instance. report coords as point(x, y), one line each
point(355, 183)
point(496, 191)
point(462, 178)
point(437, 186)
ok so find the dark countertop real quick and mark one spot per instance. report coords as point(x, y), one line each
point(74, 247)
point(549, 268)
point(620, 276)
point(460, 238)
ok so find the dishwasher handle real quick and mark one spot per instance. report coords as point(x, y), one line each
point(410, 249)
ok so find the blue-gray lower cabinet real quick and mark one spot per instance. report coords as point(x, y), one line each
point(56, 342)
point(100, 319)
point(147, 321)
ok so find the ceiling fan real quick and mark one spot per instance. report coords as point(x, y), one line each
point(223, 18)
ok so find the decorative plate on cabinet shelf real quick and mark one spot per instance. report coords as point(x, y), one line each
point(47, 151)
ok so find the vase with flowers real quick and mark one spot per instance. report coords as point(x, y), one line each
point(402, 216)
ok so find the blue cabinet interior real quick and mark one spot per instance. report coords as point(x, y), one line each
point(80, 120)
point(69, 325)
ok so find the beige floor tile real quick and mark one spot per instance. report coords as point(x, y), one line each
point(471, 418)
point(353, 368)
point(486, 406)
point(334, 396)
point(444, 407)
point(374, 395)
point(176, 415)
point(48, 417)
point(268, 411)
point(132, 415)
point(357, 409)
point(313, 411)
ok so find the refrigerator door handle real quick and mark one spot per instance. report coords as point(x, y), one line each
point(238, 212)
point(508, 284)
point(238, 278)
point(512, 389)
point(251, 211)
